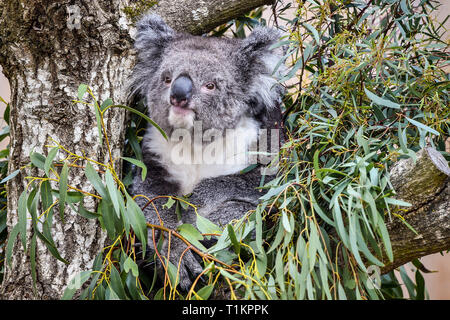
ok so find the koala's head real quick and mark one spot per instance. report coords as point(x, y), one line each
point(186, 78)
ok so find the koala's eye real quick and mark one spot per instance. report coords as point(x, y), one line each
point(210, 86)
point(167, 80)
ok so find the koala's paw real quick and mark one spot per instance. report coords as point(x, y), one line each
point(188, 269)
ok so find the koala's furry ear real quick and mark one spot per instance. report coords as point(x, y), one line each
point(153, 35)
point(257, 59)
point(152, 32)
point(256, 49)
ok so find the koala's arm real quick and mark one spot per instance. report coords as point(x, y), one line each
point(220, 199)
point(225, 198)
point(156, 187)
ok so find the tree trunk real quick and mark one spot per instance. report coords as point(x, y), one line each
point(45, 56)
point(46, 50)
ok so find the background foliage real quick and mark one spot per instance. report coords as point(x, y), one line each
point(366, 87)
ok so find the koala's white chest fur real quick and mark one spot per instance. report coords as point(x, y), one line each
point(189, 161)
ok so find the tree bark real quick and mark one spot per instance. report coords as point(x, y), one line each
point(425, 184)
point(204, 15)
point(46, 54)
point(45, 57)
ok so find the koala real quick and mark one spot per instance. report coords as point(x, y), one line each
point(216, 94)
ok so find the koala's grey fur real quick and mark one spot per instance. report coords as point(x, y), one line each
point(245, 89)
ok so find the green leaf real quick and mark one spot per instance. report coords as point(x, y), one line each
point(420, 286)
point(22, 219)
point(137, 221)
point(352, 234)
point(402, 138)
point(38, 160)
point(232, 235)
point(96, 181)
point(46, 197)
point(82, 88)
point(128, 265)
point(206, 226)
point(397, 202)
point(108, 217)
point(33, 262)
point(131, 286)
point(261, 264)
point(112, 190)
point(159, 294)
point(49, 160)
point(172, 272)
point(140, 164)
point(381, 101)
point(361, 140)
point(63, 190)
point(124, 215)
point(170, 202)
point(230, 276)
point(285, 221)
point(418, 264)
point(32, 203)
point(248, 169)
point(363, 247)
point(422, 126)
point(279, 270)
point(116, 284)
point(12, 175)
point(51, 246)
point(2, 220)
point(75, 283)
point(313, 246)
point(409, 284)
point(108, 102)
point(191, 234)
point(87, 214)
point(11, 240)
point(316, 164)
point(319, 210)
point(258, 228)
point(313, 31)
point(323, 272)
point(341, 292)
point(278, 238)
point(205, 292)
point(337, 216)
point(73, 196)
point(386, 240)
point(134, 143)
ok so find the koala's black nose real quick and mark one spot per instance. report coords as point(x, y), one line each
point(181, 91)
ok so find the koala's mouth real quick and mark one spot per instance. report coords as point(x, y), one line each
point(182, 111)
point(181, 117)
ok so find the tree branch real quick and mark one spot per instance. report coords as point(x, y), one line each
point(425, 184)
point(198, 17)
